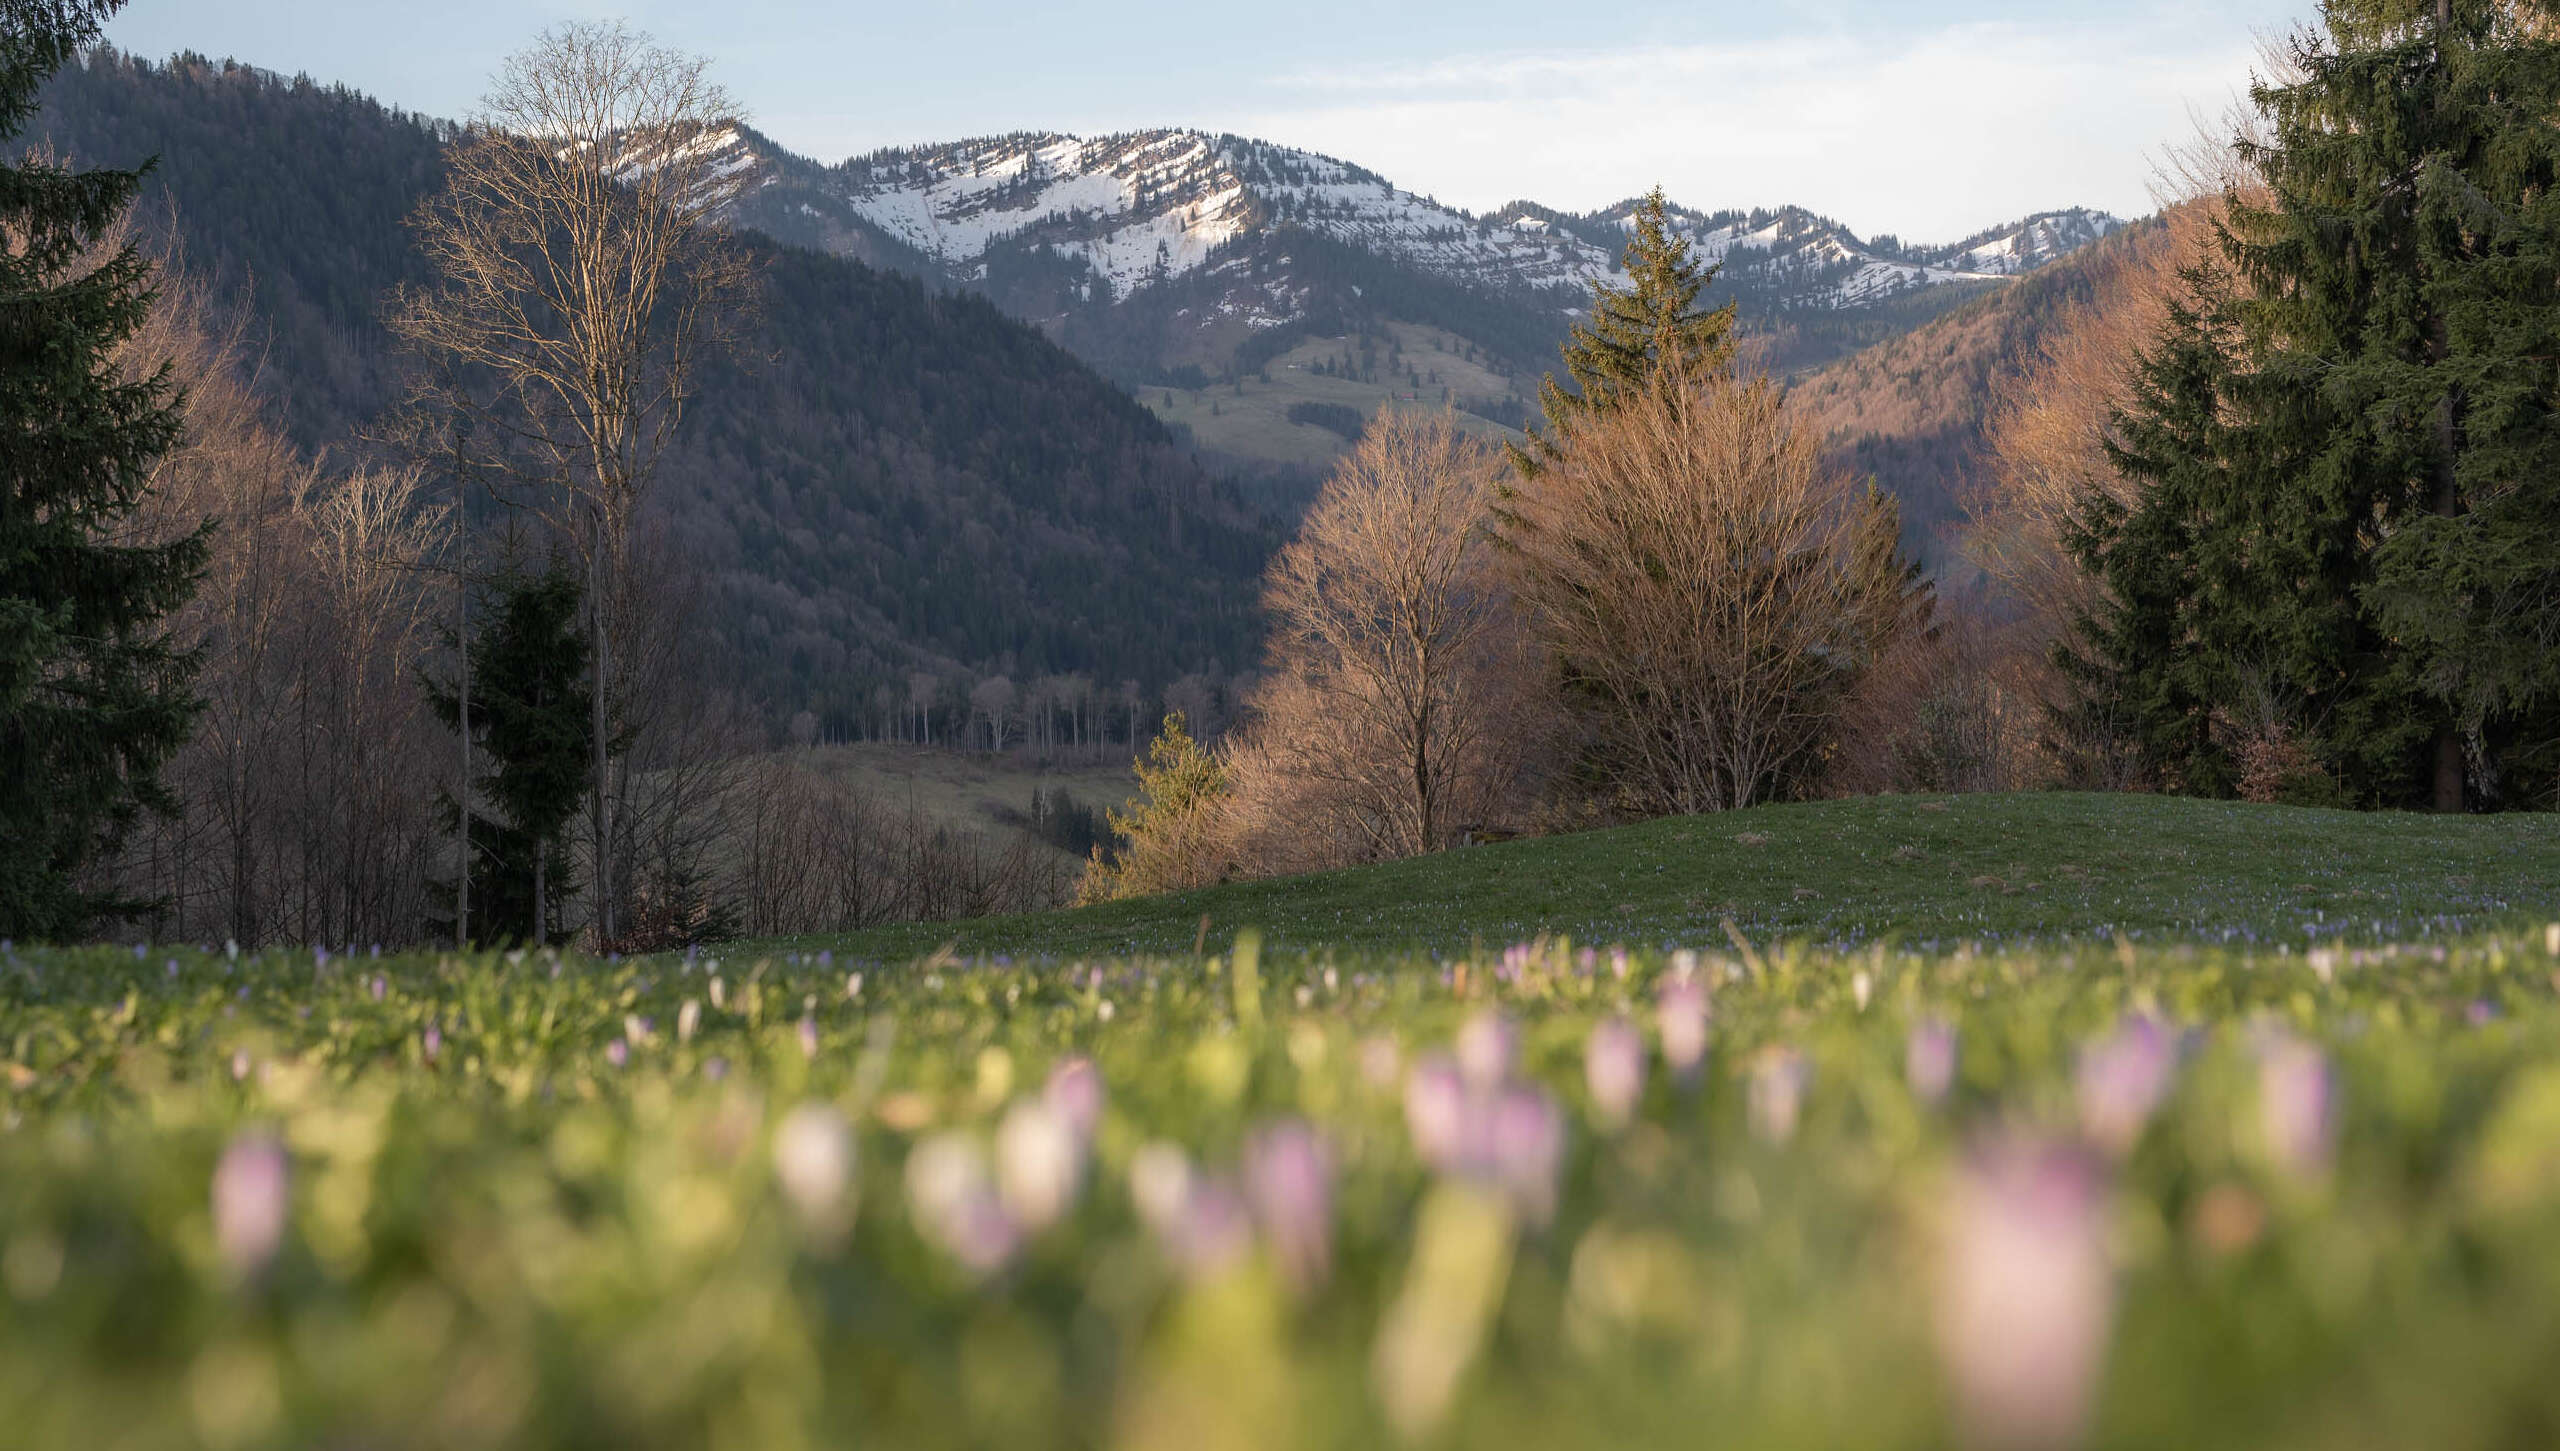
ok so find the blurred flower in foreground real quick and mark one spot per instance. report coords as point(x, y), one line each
point(1381, 1062)
point(252, 1188)
point(1452, 1289)
point(813, 1160)
point(2297, 1107)
point(2026, 1296)
point(955, 1206)
point(617, 1053)
point(1074, 1092)
point(1779, 1079)
point(1681, 1014)
point(1488, 1049)
point(1613, 1067)
point(1288, 1180)
point(808, 1038)
point(1509, 1136)
point(1200, 1222)
point(1929, 1060)
point(1039, 1164)
point(2122, 1081)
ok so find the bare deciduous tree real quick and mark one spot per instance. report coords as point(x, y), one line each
point(1401, 706)
point(579, 277)
point(1711, 589)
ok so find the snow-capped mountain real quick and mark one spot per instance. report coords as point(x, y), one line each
point(1210, 228)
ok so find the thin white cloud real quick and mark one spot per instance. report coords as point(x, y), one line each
point(1930, 135)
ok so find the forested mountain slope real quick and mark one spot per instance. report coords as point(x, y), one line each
point(888, 478)
point(1913, 412)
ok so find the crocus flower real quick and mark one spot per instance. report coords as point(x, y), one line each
point(1681, 1018)
point(1288, 1182)
point(2297, 1107)
point(377, 987)
point(1435, 1110)
point(1488, 1049)
point(1201, 1222)
point(239, 1065)
point(1527, 1140)
point(1074, 1092)
point(1778, 1083)
point(431, 1042)
point(688, 1019)
point(2026, 1296)
point(252, 1188)
point(1929, 1060)
point(1039, 1164)
point(1613, 1066)
point(617, 1053)
point(813, 1161)
point(1381, 1062)
point(955, 1206)
point(2122, 1081)
point(808, 1037)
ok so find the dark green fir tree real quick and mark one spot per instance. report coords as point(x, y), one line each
point(1632, 328)
point(529, 722)
point(2343, 450)
point(94, 696)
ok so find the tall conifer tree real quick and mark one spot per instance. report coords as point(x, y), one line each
point(1633, 327)
point(2343, 444)
point(93, 696)
point(530, 713)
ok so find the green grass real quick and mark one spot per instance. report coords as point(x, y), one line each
point(1254, 423)
point(521, 1207)
point(972, 789)
point(1930, 872)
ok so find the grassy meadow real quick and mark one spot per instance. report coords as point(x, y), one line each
point(1254, 423)
point(1932, 873)
point(2041, 1122)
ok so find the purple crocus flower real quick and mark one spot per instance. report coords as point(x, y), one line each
point(252, 1193)
point(1929, 1060)
point(1435, 1110)
point(1488, 1050)
point(2298, 1107)
point(1526, 1142)
point(2026, 1296)
point(1613, 1067)
point(377, 987)
point(431, 1043)
point(1381, 1062)
point(1201, 1222)
point(1288, 1182)
point(813, 1161)
point(1778, 1082)
point(1681, 1012)
point(617, 1053)
point(954, 1204)
point(808, 1038)
point(1039, 1164)
point(1075, 1093)
point(2122, 1082)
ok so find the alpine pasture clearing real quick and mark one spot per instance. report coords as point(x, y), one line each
point(2193, 1190)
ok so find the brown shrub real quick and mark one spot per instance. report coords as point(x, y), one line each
point(1712, 591)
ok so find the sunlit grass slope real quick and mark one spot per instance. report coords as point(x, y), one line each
point(1928, 871)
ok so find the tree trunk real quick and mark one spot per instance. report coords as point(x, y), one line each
point(462, 794)
point(601, 749)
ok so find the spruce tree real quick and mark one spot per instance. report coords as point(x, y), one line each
point(94, 697)
point(1632, 328)
point(530, 714)
point(2343, 445)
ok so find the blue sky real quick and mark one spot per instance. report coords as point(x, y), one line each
point(1929, 120)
